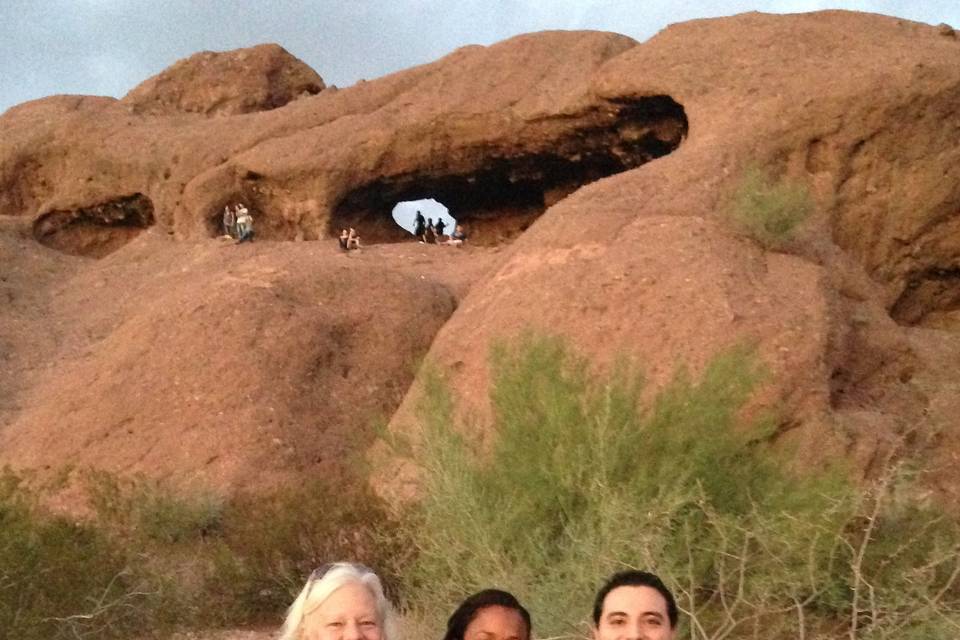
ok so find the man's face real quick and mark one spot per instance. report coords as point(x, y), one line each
point(634, 613)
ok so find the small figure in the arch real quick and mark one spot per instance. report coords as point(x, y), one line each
point(353, 239)
point(344, 236)
point(438, 229)
point(458, 237)
point(420, 227)
point(244, 224)
point(431, 235)
point(229, 222)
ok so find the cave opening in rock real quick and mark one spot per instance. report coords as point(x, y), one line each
point(930, 299)
point(503, 193)
point(405, 213)
point(96, 230)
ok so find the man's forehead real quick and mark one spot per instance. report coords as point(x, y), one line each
point(635, 599)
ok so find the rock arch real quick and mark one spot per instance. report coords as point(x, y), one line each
point(502, 191)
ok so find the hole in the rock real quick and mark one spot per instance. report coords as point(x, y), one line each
point(97, 230)
point(931, 299)
point(405, 215)
point(504, 194)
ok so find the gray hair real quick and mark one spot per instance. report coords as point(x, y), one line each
point(323, 582)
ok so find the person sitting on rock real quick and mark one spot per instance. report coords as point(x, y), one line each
point(344, 237)
point(458, 237)
point(229, 221)
point(420, 227)
point(353, 239)
point(438, 229)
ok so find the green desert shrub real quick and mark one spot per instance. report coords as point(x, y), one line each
point(270, 542)
point(60, 578)
point(147, 512)
point(152, 559)
point(769, 210)
point(583, 474)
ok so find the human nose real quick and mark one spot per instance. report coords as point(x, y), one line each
point(636, 632)
point(352, 631)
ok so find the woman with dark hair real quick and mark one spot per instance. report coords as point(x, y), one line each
point(490, 614)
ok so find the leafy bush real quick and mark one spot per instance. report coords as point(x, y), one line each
point(770, 211)
point(58, 578)
point(582, 478)
point(270, 543)
point(145, 511)
point(152, 559)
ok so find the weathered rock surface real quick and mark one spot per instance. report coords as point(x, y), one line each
point(221, 365)
point(613, 159)
point(487, 143)
point(214, 83)
point(642, 263)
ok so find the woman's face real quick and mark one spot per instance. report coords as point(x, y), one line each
point(350, 613)
point(497, 623)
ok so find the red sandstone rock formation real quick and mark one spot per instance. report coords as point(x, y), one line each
point(211, 83)
point(857, 323)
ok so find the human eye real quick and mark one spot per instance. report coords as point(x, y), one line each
point(335, 624)
point(368, 624)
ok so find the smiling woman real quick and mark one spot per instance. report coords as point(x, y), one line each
point(490, 614)
point(341, 601)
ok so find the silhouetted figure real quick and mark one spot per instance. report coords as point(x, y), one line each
point(438, 228)
point(431, 234)
point(420, 227)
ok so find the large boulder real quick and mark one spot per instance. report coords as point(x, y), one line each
point(645, 264)
point(226, 83)
point(222, 366)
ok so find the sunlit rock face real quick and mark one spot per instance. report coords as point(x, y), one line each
point(591, 172)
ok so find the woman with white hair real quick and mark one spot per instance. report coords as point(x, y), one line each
point(341, 601)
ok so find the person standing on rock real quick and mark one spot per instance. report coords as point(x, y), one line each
point(420, 227)
point(431, 234)
point(229, 221)
point(438, 229)
point(244, 224)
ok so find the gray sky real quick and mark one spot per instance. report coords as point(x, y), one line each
point(106, 47)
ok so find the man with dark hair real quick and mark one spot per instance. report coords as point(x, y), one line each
point(634, 604)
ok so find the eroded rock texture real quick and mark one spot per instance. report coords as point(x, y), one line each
point(606, 163)
point(210, 83)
